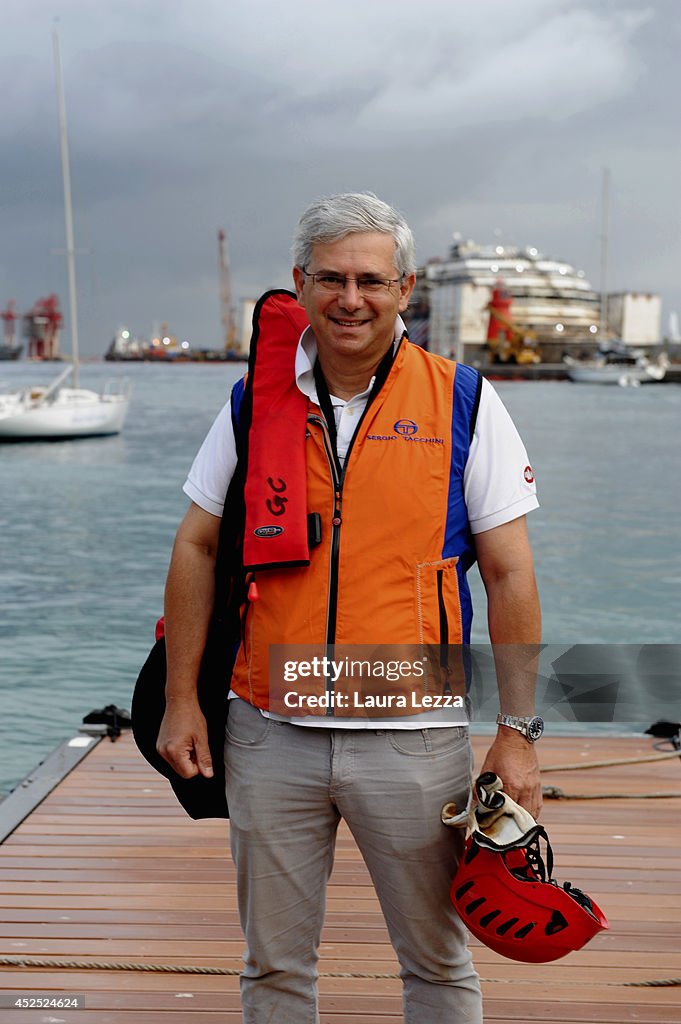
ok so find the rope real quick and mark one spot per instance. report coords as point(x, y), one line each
point(556, 793)
point(107, 965)
point(657, 983)
point(608, 764)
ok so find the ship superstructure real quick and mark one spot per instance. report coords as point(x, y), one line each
point(551, 299)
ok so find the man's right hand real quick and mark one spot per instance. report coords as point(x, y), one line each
point(183, 740)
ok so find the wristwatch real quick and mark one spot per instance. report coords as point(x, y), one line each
point(531, 728)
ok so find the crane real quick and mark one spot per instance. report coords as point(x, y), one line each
point(41, 327)
point(228, 323)
point(505, 342)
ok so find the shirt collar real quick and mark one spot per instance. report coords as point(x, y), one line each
point(306, 355)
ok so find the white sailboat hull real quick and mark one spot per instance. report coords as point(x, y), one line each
point(607, 374)
point(600, 371)
point(71, 413)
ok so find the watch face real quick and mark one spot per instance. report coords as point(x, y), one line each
point(535, 728)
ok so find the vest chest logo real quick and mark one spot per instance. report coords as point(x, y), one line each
point(405, 430)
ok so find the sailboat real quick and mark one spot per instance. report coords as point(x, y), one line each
point(614, 361)
point(63, 410)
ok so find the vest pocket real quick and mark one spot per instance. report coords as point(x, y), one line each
point(437, 602)
point(439, 625)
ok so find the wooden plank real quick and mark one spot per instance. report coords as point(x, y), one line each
point(108, 868)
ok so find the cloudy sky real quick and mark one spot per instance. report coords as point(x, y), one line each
point(479, 117)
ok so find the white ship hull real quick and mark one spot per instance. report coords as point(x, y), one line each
point(71, 413)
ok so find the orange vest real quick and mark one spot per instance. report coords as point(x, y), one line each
point(395, 542)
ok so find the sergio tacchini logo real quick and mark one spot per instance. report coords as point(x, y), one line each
point(405, 430)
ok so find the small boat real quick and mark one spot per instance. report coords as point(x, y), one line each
point(616, 363)
point(58, 411)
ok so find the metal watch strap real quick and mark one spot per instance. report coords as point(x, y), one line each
point(521, 724)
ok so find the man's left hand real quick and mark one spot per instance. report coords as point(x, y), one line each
point(514, 760)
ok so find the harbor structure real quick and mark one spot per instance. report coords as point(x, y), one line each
point(635, 318)
point(552, 302)
point(42, 324)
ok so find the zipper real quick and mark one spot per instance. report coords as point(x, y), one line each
point(444, 630)
point(336, 522)
point(338, 474)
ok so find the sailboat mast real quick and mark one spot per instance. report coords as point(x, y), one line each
point(605, 212)
point(68, 209)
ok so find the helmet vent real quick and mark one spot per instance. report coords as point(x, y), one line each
point(507, 925)
point(475, 904)
point(463, 889)
point(556, 924)
point(486, 921)
point(522, 933)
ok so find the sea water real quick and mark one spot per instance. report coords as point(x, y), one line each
point(86, 530)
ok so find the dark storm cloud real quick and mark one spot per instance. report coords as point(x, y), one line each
point(468, 116)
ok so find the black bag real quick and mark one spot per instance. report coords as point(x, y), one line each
point(202, 797)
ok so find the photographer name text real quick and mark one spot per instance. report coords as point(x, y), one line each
point(380, 701)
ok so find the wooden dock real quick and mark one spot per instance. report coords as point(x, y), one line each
point(108, 870)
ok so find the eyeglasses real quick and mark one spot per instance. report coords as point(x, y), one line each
point(337, 283)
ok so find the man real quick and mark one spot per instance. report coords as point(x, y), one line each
point(401, 522)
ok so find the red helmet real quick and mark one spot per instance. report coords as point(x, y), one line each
point(506, 897)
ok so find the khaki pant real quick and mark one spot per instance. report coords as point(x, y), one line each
point(288, 787)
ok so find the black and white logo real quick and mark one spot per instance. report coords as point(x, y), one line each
point(268, 531)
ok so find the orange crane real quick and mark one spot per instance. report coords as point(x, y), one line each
point(505, 342)
point(228, 323)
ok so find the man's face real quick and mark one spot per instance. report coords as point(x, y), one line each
point(349, 323)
